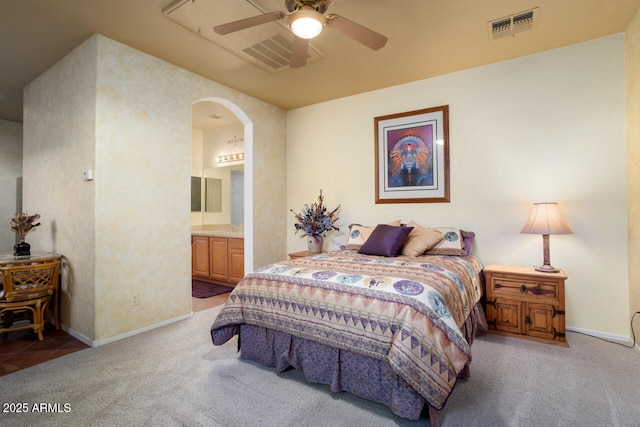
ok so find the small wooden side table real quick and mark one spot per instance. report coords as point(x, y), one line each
point(7, 259)
point(301, 254)
point(526, 303)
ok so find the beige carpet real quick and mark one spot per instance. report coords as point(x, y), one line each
point(174, 376)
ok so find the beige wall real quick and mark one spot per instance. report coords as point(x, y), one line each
point(127, 116)
point(632, 49)
point(546, 127)
point(59, 144)
point(10, 171)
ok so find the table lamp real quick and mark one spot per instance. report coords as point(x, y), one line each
point(545, 219)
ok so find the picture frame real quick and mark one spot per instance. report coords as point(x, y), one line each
point(412, 156)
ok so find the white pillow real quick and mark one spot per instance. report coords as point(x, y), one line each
point(451, 244)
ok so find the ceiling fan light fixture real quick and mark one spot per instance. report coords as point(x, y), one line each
point(306, 22)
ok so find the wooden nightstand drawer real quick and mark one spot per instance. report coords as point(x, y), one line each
point(509, 286)
point(523, 302)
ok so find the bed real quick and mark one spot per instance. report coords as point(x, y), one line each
point(393, 329)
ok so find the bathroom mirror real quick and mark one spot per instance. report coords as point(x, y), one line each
point(213, 195)
point(196, 194)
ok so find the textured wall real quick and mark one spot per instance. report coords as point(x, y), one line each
point(10, 171)
point(134, 216)
point(59, 143)
point(545, 127)
point(632, 48)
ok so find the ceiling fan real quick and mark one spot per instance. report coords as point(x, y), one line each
point(307, 19)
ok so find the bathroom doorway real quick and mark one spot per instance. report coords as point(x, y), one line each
point(222, 142)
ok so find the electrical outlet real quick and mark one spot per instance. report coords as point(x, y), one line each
point(135, 299)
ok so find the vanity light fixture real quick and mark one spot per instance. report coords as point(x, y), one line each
point(228, 158)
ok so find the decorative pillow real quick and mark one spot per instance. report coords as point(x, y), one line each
point(358, 234)
point(468, 237)
point(420, 240)
point(452, 244)
point(385, 240)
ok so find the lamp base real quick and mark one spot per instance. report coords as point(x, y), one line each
point(546, 268)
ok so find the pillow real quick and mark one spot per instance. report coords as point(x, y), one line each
point(358, 234)
point(468, 237)
point(420, 240)
point(385, 240)
point(452, 244)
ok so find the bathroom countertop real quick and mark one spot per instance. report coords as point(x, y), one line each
point(219, 230)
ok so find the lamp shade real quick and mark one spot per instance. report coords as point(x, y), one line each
point(545, 219)
point(306, 22)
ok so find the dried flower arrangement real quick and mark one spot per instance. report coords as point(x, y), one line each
point(22, 223)
point(316, 220)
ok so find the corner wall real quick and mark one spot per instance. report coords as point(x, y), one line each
point(545, 127)
point(59, 143)
point(127, 116)
point(632, 49)
point(10, 171)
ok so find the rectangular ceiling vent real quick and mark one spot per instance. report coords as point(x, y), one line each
point(514, 24)
point(274, 52)
point(267, 46)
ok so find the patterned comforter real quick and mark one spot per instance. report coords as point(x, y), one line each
point(406, 311)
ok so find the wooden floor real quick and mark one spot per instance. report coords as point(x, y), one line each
point(21, 349)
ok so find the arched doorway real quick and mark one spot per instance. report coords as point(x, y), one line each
point(213, 112)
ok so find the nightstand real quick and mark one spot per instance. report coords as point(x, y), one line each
point(302, 254)
point(525, 303)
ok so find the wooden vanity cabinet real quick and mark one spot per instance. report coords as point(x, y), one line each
point(217, 259)
point(235, 255)
point(219, 264)
point(200, 256)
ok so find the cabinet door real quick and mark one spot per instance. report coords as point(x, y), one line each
point(218, 268)
point(507, 315)
point(539, 320)
point(200, 256)
point(236, 260)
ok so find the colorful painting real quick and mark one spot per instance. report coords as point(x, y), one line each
point(412, 157)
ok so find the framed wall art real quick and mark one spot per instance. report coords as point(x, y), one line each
point(412, 156)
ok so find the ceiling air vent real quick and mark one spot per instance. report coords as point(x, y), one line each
point(268, 46)
point(274, 52)
point(514, 24)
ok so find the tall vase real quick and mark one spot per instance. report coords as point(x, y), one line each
point(314, 244)
point(22, 248)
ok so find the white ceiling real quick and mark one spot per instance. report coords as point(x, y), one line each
point(426, 38)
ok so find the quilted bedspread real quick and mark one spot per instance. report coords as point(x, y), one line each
point(406, 311)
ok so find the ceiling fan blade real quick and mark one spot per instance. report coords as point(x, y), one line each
point(299, 52)
point(242, 24)
point(356, 31)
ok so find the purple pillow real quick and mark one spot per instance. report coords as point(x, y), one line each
point(468, 237)
point(385, 240)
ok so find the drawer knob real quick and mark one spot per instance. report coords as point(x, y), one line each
point(523, 289)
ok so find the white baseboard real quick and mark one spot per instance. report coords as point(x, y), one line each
point(611, 337)
point(98, 343)
point(77, 335)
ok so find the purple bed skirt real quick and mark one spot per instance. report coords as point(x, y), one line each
point(343, 370)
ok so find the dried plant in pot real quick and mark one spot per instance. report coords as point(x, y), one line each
point(23, 223)
point(314, 222)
